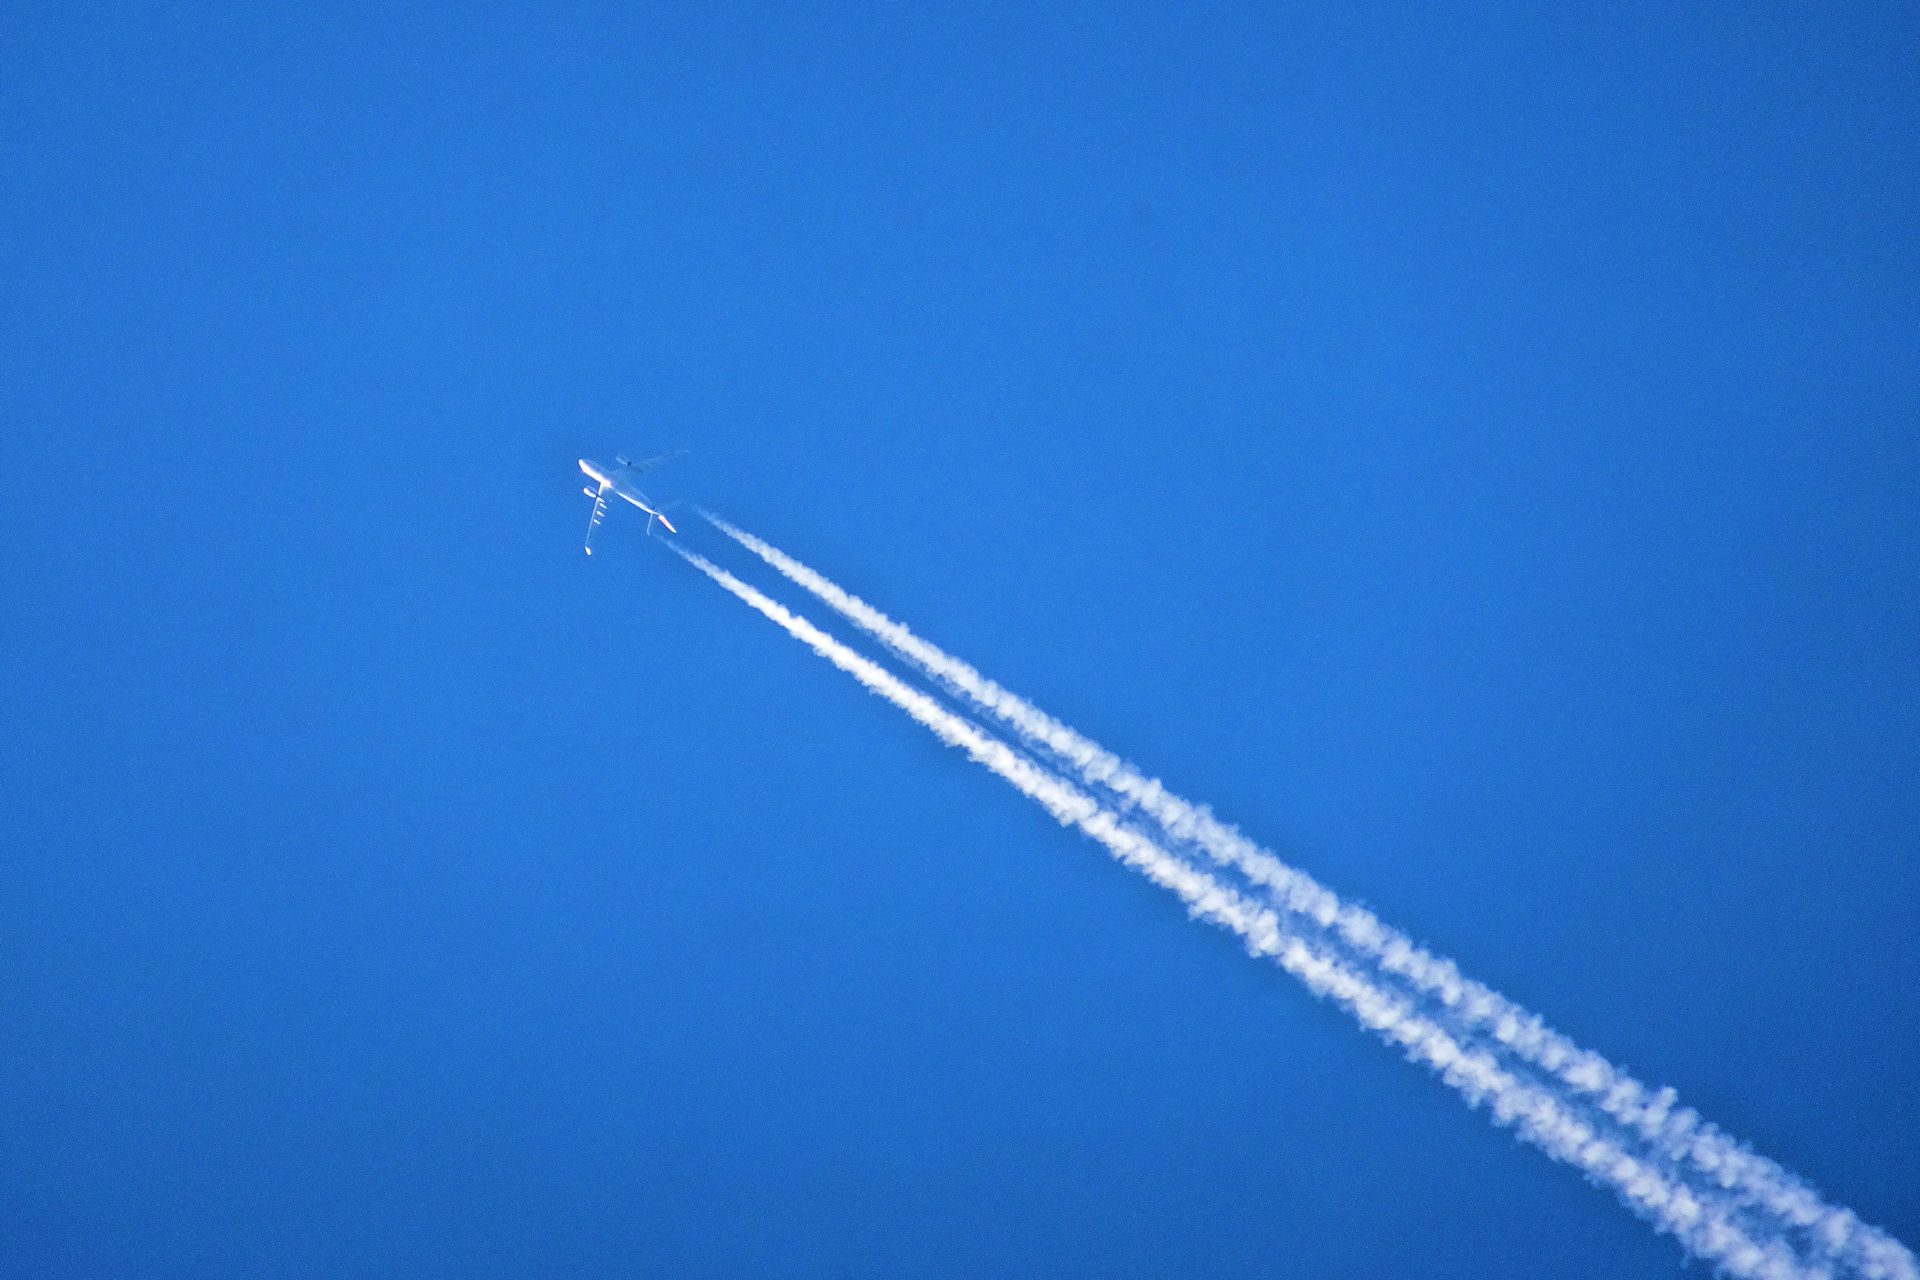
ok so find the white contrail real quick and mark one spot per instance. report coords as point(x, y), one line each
point(1678, 1135)
point(1701, 1219)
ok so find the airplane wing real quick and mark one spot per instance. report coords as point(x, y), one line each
point(637, 468)
point(599, 513)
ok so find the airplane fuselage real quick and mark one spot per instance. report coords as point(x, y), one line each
point(613, 480)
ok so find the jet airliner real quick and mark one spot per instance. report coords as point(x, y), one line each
point(619, 480)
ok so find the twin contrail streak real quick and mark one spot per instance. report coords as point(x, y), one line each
point(1705, 1222)
point(1697, 1151)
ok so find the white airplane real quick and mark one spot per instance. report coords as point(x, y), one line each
point(619, 480)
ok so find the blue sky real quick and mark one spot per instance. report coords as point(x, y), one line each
point(1477, 452)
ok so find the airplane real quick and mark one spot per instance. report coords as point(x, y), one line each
point(619, 480)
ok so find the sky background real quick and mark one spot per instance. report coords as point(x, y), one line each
point(1477, 452)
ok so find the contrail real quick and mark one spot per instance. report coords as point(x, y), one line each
point(1702, 1219)
point(1679, 1136)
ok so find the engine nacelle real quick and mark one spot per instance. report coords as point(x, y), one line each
point(590, 493)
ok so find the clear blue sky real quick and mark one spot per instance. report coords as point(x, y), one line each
point(1478, 452)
